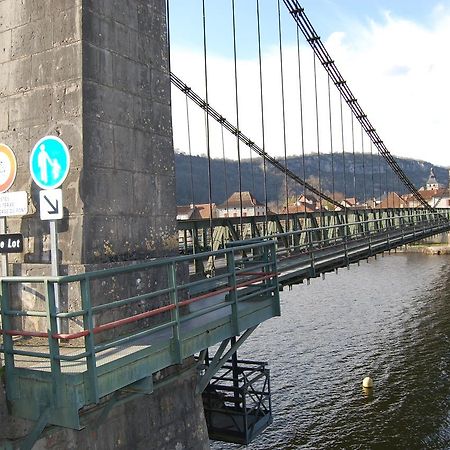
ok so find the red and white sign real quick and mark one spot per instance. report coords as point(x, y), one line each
point(8, 167)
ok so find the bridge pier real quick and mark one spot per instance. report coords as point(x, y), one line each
point(95, 74)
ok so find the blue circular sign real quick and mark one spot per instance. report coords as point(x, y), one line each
point(49, 162)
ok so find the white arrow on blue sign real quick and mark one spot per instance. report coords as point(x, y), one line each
point(49, 162)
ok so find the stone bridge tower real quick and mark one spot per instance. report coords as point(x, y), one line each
point(95, 73)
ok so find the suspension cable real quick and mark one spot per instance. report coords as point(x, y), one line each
point(354, 159)
point(302, 134)
point(380, 176)
point(245, 140)
point(373, 175)
point(318, 136)
point(331, 138)
point(298, 14)
point(225, 169)
point(363, 166)
point(283, 114)
point(263, 131)
point(343, 150)
point(208, 144)
point(237, 116)
point(190, 151)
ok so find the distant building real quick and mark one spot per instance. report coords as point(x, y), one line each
point(432, 183)
point(308, 200)
point(196, 212)
point(298, 208)
point(189, 212)
point(205, 210)
point(393, 200)
point(435, 194)
point(441, 201)
point(373, 203)
point(349, 202)
point(232, 207)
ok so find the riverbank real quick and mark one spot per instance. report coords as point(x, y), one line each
point(434, 249)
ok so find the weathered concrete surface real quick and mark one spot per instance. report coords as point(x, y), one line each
point(169, 419)
point(128, 177)
point(94, 72)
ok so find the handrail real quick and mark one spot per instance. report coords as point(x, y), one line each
point(265, 279)
point(337, 226)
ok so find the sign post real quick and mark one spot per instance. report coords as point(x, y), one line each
point(8, 171)
point(49, 166)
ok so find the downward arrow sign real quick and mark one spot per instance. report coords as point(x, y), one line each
point(55, 208)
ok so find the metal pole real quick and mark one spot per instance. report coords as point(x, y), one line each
point(4, 258)
point(54, 261)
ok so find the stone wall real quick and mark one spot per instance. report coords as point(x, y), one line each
point(128, 179)
point(95, 74)
point(169, 419)
point(41, 94)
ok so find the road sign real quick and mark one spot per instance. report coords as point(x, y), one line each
point(13, 204)
point(49, 162)
point(11, 243)
point(50, 204)
point(8, 167)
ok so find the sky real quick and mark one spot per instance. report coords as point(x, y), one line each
point(393, 54)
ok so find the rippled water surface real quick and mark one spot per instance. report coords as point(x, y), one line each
point(389, 319)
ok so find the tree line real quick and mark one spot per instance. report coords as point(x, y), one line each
point(360, 176)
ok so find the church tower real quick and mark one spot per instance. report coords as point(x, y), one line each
point(432, 184)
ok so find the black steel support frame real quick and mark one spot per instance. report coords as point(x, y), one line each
point(237, 401)
point(220, 358)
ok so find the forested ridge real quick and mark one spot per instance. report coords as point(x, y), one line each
point(369, 177)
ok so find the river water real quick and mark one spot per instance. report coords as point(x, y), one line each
point(390, 319)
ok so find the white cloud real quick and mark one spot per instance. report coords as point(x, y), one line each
point(399, 73)
point(397, 69)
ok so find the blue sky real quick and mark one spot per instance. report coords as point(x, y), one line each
point(394, 55)
point(327, 16)
point(340, 12)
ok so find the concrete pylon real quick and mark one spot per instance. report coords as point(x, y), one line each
point(95, 74)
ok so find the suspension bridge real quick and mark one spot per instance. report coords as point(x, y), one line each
point(104, 334)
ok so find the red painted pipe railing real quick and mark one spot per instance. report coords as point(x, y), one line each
point(144, 315)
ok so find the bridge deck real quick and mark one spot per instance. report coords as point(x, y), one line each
point(151, 344)
point(66, 377)
point(239, 292)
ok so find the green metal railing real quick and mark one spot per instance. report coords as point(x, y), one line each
point(340, 233)
point(162, 315)
point(195, 235)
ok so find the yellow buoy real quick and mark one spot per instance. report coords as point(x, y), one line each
point(367, 382)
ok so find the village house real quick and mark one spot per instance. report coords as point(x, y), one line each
point(232, 207)
point(196, 212)
point(309, 200)
point(188, 212)
point(298, 208)
point(393, 200)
